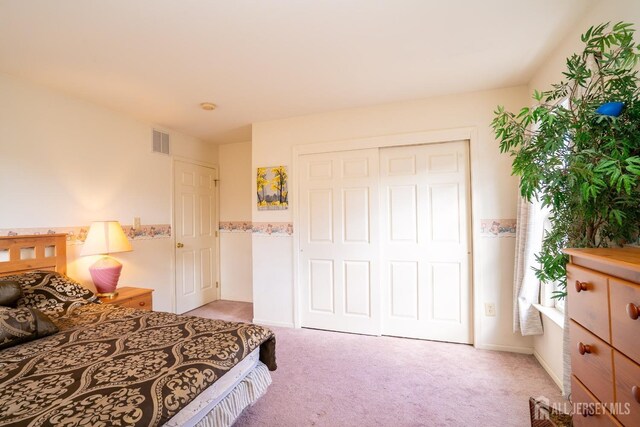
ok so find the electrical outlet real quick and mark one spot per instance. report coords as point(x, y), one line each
point(136, 222)
point(489, 309)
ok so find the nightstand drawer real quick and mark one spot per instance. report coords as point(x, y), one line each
point(591, 362)
point(625, 305)
point(128, 296)
point(589, 301)
point(143, 302)
point(122, 303)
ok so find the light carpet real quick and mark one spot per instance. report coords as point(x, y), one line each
point(336, 379)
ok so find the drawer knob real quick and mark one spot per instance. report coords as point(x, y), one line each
point(633, 310)
point(584, 349)
point(587, 409)
point(581, 286)
point(141, 303)
point(635, 391)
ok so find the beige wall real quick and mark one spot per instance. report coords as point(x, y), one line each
point(235, 205)
point(548, 349)
point(66, 162)
point(604, 11)
point(494, 193)
point(235, 181)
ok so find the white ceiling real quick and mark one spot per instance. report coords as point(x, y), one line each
point(267, 59)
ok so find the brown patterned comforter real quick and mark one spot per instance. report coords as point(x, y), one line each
point(114, 366)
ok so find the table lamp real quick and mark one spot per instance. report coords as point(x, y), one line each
point(105, 237)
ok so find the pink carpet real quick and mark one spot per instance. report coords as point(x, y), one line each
point(335, 379)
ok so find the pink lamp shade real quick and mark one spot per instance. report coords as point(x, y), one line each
point(106, 237)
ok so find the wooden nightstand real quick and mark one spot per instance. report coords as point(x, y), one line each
point(131, 297)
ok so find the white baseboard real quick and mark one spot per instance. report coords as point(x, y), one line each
point(272, 323)
point(547, 368)
point(512, 349)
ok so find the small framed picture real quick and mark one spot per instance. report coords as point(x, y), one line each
point(272, 189)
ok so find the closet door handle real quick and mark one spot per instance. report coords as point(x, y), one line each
point(180, 245)
point(633, 311)
point(635, 391)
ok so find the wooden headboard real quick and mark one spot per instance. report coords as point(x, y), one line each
point(36, 252)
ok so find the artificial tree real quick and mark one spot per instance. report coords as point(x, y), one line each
point(579, 161)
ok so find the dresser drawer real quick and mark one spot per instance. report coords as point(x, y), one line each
point(142, 302)
point(627, 384)
point(587, 410)
point(623, 326)
point(591, 362)
point(588, 299)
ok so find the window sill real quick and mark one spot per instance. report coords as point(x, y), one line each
point(552, 313)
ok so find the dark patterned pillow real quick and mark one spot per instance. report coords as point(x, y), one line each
point(18, 325)
point(10, 292)
point(52, 293)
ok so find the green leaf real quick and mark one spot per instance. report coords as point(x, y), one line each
point(537, 95)
point(617, 215)
point(606, 165)
point(633, 169)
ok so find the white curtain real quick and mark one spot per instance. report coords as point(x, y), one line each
point(526, 287)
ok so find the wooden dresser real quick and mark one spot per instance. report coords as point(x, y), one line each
point(604, 305)
point(131, 297)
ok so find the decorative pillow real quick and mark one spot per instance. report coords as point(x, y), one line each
point(10, 292)
point(52, 293)
point(18, 325)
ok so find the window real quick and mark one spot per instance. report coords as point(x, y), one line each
point(540, 223)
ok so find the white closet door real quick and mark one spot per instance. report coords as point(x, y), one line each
point(425, 244)
point(339, 258)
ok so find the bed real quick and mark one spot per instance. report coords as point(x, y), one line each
point(67, 360)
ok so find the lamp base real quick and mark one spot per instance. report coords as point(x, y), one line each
point(108, 295)
point(105, 274)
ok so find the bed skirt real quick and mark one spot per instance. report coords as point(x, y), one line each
point(245, 394)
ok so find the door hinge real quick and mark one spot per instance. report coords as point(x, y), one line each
point(217, 285)
point(215, 182)
point(216, 233)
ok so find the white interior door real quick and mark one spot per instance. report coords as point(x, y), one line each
point(195, 230)
point(339, 251)
point(425, 248)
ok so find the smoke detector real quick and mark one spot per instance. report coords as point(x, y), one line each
point(208, 106)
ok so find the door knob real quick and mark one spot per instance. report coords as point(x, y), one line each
point(180, 245)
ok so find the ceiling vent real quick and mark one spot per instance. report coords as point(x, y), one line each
point(160, 142)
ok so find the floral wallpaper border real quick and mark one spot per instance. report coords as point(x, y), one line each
point(273, 228)
point(76, 235)
point(267, 228)
point(490, 228)
point(498, 228)
point(235, 226)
